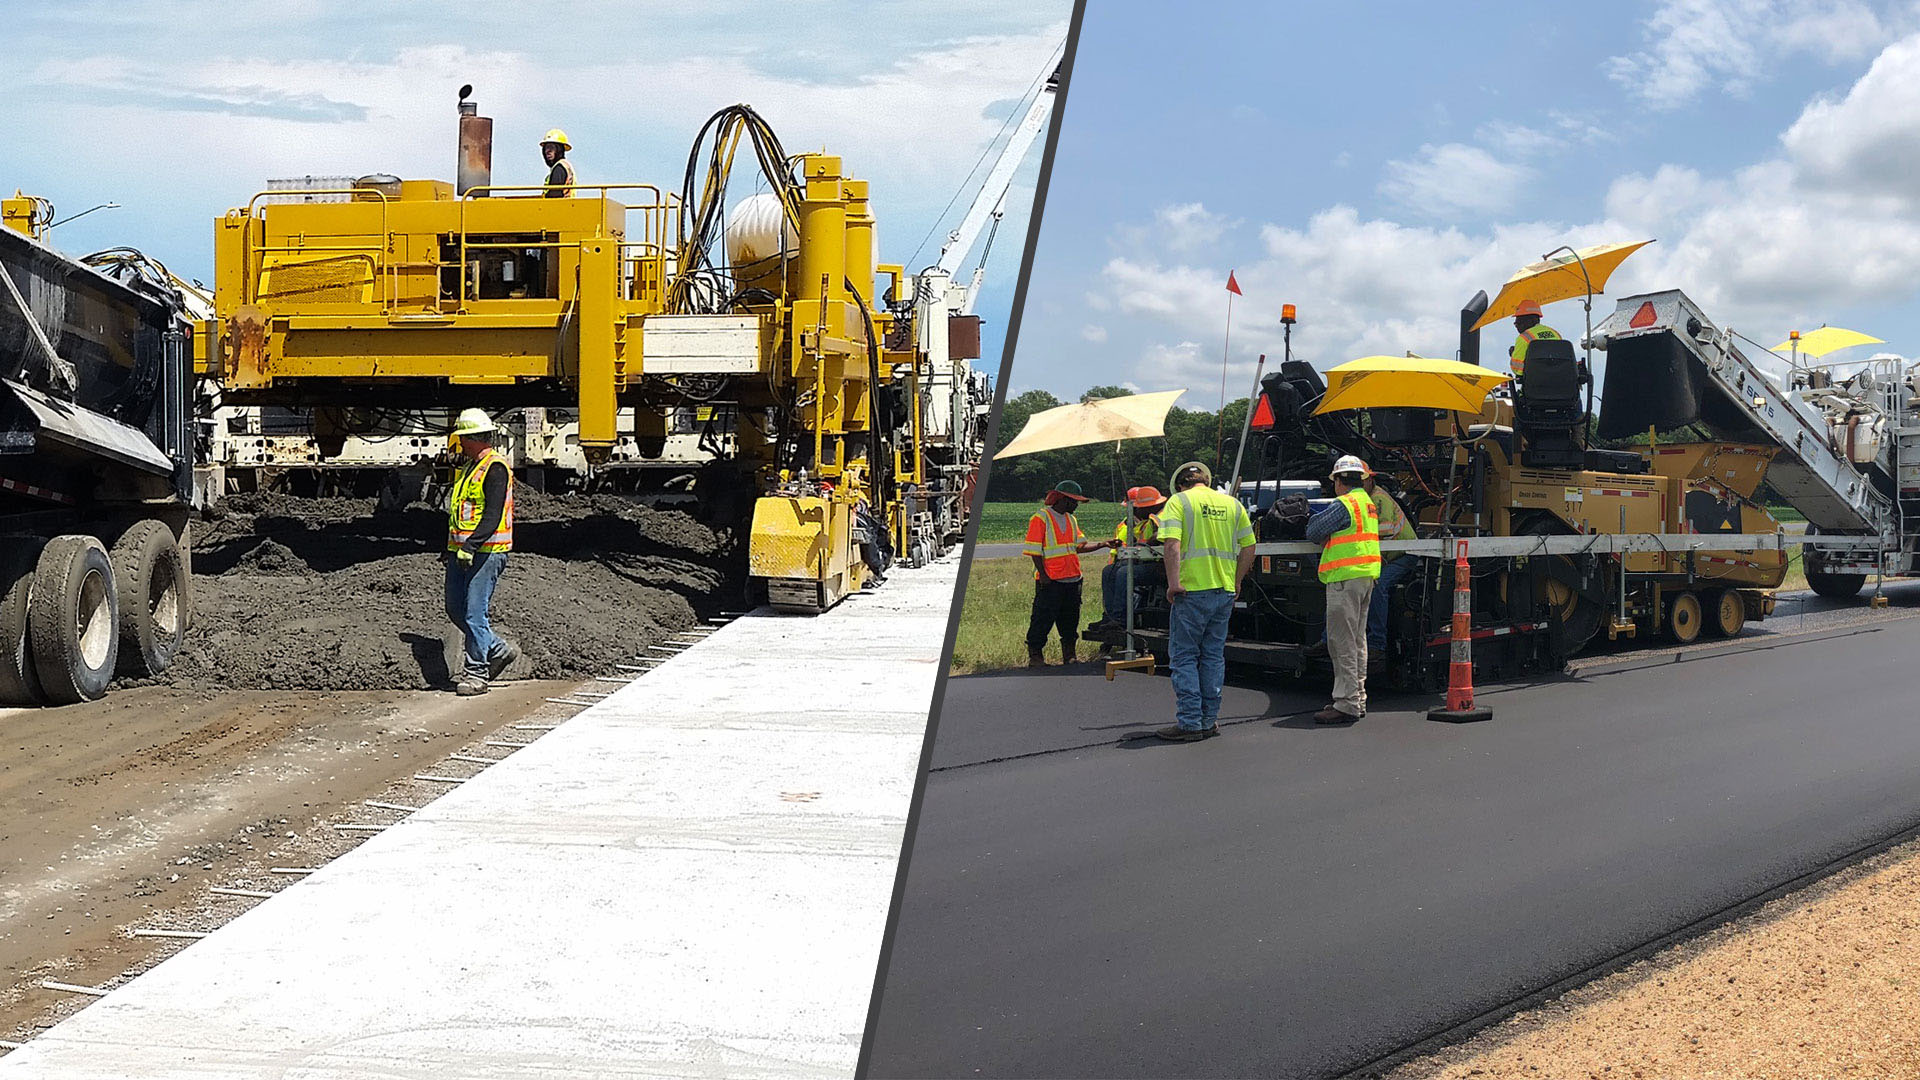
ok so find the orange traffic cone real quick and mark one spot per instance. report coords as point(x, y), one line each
point(1459, 708)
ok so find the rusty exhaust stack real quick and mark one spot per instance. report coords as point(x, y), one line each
point(475, 169)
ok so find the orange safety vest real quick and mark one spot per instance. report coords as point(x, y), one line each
point(468, 504)
point(1355, 551)
point(1056, 545)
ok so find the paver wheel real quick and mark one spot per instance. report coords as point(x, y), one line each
point(151, 578)
point(1729, 613)
point(1835, 586)
point(73, 620)
point(1683, 619)
point(18, 555)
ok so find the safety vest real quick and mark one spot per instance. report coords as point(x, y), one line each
point(468, 504)
point(1527, 337)
point(1212, 528)
point(1354, 552)
point(1058, 533)
point(560, 179)
point(1393, 521)
point(1143, 533)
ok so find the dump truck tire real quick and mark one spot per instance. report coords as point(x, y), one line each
point(1726, 613)
point(1684, 619)
point(18, 685)
point(1835, 586)
point(151, 578)
point(73, 620)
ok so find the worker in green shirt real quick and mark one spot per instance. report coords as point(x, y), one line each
point(1207, 539)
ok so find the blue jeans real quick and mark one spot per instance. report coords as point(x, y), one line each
point(1390, 575)
point(469, 594)
point(1198, 653)
point(1113, 586)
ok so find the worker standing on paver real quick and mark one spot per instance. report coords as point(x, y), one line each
point(1349, 565)
point(1207, 541)
point(1394, 568)
point(1526, 320)
point(1054, 543)
point(560, 178)
point(1143, 504)
point(479, 536)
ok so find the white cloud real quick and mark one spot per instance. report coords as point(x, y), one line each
point(1515, 140)
point(1867, 142)
point(1452, 178)
point(1189, 228)
point(1095, 334)
point(1788, 240)
point(1729, 45)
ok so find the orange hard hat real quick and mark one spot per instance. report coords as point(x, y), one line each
point(1527, 307)
point(1145, 496)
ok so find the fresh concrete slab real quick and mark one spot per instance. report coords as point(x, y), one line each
point(690, 878)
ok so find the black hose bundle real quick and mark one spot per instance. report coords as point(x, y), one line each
point(703, 200)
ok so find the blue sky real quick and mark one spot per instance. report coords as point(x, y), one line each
point(1375, 163)
point(179, 110)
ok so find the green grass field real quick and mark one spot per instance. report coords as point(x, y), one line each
point(993, 624)
point(1006, 523)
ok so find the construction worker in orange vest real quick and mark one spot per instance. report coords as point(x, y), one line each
point(479, 536)
point(1055, 543)
point(1349, 566)
point(1526, 320)
point(560, 178)
point(1143, 523)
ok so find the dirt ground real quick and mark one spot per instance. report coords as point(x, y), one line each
point(121, 813)
point(1821, 984)
point(327, 594)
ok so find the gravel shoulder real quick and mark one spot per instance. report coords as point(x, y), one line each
point(1822, 983)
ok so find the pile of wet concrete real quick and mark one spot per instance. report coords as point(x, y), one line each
point(330, 594)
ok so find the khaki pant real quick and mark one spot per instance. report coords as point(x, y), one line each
point(1347, 642)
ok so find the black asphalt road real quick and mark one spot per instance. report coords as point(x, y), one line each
point(1296, 901)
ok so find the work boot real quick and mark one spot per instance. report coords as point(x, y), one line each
point(504, 654)
point(1331, 715)
point(1036, 658)
point(1176, 733)
point(471, 686)
point(1067, 655)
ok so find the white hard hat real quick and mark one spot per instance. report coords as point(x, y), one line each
point(1350, 464)
point(473, 422)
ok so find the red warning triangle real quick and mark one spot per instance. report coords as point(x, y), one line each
point(1263, 414)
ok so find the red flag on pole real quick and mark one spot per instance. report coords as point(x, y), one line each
point(1233, 286)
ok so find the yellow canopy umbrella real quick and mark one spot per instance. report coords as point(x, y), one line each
point(1827, 339)
point(1562, 276)
point(1408, 382)
point(1139, 416)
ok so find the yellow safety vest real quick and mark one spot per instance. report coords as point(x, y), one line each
point(1144, 533)
point(1058, 535)
point(1355, 551)
point(468, 504)
point(1528, 337)
point(1211, 528)
point(1393, 521)
point(565, 187)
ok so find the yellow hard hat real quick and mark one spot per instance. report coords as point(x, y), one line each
point(555, 135)
point(474, 422)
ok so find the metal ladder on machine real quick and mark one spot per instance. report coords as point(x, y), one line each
point(1812, 476)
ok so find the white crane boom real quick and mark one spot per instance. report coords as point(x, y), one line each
point(990, 203)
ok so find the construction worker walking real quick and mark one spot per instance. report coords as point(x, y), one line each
point(560, 178)
point(1207, 540)
point(1526, 320)
point(1055, 543)
point(1349, 566)
point(479, 536)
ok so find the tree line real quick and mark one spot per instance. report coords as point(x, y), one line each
point(1103, 473)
